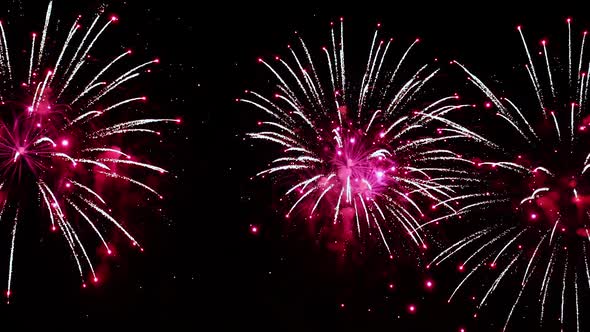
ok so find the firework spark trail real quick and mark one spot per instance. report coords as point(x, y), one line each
point(549, 193)
point(516, 301)
point(484, 246)
point(531, 260)
point(533, 73)
point(85, 217)
point(497, 282)
point(55, 150)
point(586, 264)
point(5, 55)
point(545, 284)
point(458, 246)
point(66, 43)
point(577, 303)
point(8, 289)
point(564, 279)
point(569, 50)
point(463, 282)
point(31, 59)
point(507, 245)
point(363, 152)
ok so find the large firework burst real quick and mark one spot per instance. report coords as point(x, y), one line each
point(60, 138)
point(369, 155)
point(540, 193)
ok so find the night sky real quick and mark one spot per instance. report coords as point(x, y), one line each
point(203, 268)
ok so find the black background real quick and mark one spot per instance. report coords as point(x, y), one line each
point(203, 269)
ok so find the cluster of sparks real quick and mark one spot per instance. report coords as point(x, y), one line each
point(544, 241)
point(58, 136)
point(362, 155)
point(365, 156)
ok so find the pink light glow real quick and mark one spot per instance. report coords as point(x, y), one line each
point(254, 229)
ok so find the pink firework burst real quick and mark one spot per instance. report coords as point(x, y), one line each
point(367, 155)
point(60, 138)
point(541, 189)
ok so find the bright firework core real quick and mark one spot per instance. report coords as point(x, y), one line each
point(360, 167)
point(24, 142)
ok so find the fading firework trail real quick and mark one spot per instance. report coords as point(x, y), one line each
point(367, 155)
point(542, 239)
point(57, 134)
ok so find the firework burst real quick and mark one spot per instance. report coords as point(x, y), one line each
point(366, 155)
point(541, 193)
point(59, 136)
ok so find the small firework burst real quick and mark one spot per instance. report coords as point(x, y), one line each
point(365, 156)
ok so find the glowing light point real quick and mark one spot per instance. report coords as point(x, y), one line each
point(412, 308)
point(114, 18)
point(533, 216)
point(65, 142)
point(95, 279)
point(429, 284)
point(254, 229)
